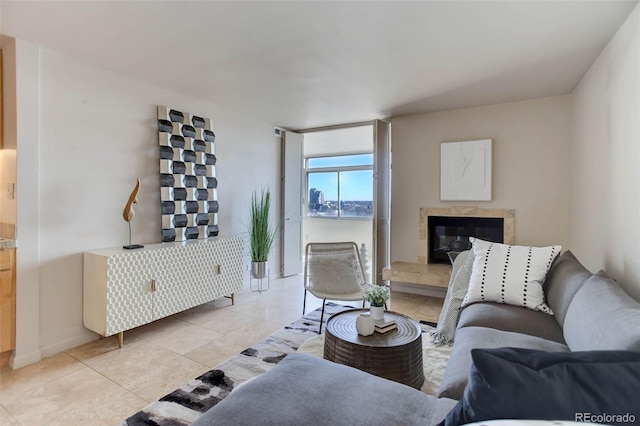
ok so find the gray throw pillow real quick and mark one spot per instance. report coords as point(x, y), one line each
point(458, 285)
point(602, 316)
point(565, 278)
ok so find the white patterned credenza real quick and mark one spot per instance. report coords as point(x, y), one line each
point(124, 289)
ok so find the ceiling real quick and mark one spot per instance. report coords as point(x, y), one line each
point(302, 64)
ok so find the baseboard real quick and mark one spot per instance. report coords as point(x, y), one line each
point(56, 348)
point(23, 360)
point(418, 289)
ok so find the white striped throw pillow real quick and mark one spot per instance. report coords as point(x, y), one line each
point(510, 274)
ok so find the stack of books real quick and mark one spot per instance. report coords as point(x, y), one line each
point(385, 325)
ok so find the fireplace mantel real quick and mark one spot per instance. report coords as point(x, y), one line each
point(507, 215)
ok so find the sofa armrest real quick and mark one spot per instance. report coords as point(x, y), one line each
point(303, 389)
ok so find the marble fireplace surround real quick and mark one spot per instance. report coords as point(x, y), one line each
point(507, 214)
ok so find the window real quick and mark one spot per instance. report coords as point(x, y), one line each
point(340, 186)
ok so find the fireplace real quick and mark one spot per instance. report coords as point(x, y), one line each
point(445, 229)
point(451, 234)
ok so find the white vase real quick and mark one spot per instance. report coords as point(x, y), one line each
point(377, 312)
point(365, 325)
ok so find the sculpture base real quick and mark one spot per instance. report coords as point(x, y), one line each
point(132, 247)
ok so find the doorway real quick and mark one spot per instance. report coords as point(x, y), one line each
point(338, 188)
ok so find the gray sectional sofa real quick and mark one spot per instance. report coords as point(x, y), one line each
point(591, 312)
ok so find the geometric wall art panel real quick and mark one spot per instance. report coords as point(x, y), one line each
point(188, 184)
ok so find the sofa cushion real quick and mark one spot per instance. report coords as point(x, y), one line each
point(510, 274)
point(512, 383)
point(602, 316)
point(565, 278)
point(511, 318)
point(468, 338)
point(303, 389)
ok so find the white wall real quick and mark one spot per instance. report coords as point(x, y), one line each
point(606, 154)
point(91, 133)
point(22, 131)
point(531, 157)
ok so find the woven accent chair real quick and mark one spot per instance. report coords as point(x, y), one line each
point(333, 271)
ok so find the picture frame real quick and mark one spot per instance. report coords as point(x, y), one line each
point(466, 170)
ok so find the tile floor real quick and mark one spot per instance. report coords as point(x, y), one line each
point(99, 384)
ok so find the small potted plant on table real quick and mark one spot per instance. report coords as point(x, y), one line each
point(377, 296)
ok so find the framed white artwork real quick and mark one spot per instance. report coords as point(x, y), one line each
point(465, 171)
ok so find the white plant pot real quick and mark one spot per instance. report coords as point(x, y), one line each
point(377, 312)
point(365, 325)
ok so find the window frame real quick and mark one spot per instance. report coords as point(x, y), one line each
point(338, 170)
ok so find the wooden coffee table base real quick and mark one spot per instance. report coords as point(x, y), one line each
point(396, 355)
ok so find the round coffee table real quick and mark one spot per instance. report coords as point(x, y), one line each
point(395, 355)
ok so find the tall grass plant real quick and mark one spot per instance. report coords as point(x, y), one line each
point(261, 234)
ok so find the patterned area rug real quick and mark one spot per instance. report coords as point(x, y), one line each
point(185, 404)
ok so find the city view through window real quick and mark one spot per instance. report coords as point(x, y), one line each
point(342, 186)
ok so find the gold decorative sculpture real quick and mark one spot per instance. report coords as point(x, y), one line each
point(128, 214)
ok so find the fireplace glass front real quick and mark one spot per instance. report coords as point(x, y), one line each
point(451, 234)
